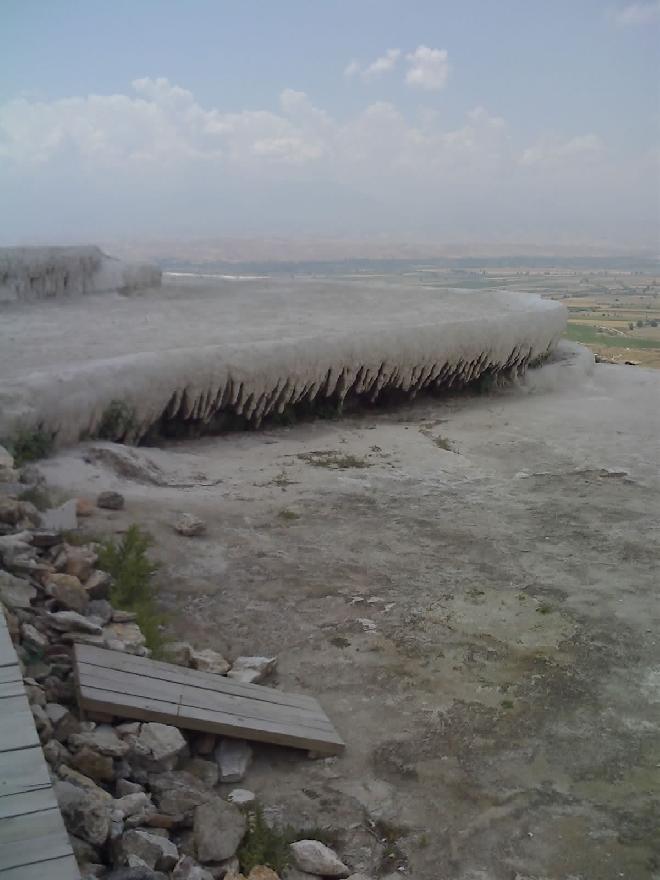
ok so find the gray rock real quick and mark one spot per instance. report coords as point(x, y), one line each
point(154, 850)
point(189, 525)
point(67, 621)
point(80, 561)
point(179, 653)
point(252, 670)
point(136, 806)
point(15, 592)
point(32, 639)
point(6, 458)
point(218, 828)
point(125, 787)
point(68, 592)
point(126, 637)
point(177, 792)
point(55, 753)
point(233, 757)
point(164, 743)
point(62, 518)
point(207, 771)
point(85, 814)
point(103, 739)
point(209, 661)
point(92, 764)
point(315, 857)
point(100, 611)
point(241, 797)
point(188, 869)
point(110, 500)
point(97, 585)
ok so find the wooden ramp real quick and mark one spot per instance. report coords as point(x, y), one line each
point(134, 687)
point(33, 841)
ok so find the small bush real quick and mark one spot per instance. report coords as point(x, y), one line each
point(263, 845)
point(132, 588)
point(39, 496)
point(117, 421)
point(31, 444)
point(334, 460)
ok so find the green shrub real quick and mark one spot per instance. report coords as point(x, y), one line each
point(31, 444)
point(263, 845)
point(132, 589)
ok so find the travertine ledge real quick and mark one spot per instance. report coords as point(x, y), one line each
point(200, 348)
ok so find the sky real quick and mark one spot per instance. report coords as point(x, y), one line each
point(517, 121)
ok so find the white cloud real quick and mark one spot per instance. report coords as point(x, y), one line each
point(553, 151)
point(158, 154)
point(428, 68)
point(384, 64)
point(638, 13)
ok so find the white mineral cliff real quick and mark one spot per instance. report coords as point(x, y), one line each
point(36, 273)
point(194, 349)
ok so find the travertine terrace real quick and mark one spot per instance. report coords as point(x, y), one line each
point(198, 348)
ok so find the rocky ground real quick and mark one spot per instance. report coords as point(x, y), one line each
point(468, 585)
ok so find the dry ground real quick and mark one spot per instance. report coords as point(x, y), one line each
point(470, 588)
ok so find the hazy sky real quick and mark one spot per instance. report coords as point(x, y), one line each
point(509, 121)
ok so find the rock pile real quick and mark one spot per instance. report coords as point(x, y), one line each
point(140, 800)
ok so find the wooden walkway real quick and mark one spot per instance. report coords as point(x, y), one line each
point(33, 841)
point(134, 687)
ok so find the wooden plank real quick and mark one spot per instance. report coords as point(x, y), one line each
point(10, 673)
point(23, 770)
point(17, 730)
point(63, 868)
point(23, 802)
point(148, 709)
point(126, 683)
point(10, 689)
point(170, 672)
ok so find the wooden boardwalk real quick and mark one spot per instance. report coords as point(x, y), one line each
point(33, 841)
point(134, 687)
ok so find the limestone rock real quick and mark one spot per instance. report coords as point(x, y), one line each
point(207, 771)
point(68, 621)
point(209, 661)
point(62, 518)
point(233, 757)
point(110, 500)
point(189, 525)
point(68, 592)
point(15, 592)
point(126, 637)
point(163, 742)
point(125, 786)
point(154, 850)
point(252, 670)
point(97, 584)
point(100, 611)
point(241, 797)
point(177, 793)
point(32, 639)
point(80, 561)
point(103, 739)
point(86, 814)
point(94, 765)
point(179, 653)
point(315, 857)
point(218, 828)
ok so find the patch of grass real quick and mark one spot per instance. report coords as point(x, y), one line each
point(339, 642)
point(263, 845)
point(288, 515)
point(589, 335)
point(132, 572)
point(282, 480)
point(507, 704)
point(330, 458)
point(31, 444)
point(80, 537)
point(118, 420)
point(544, 609)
